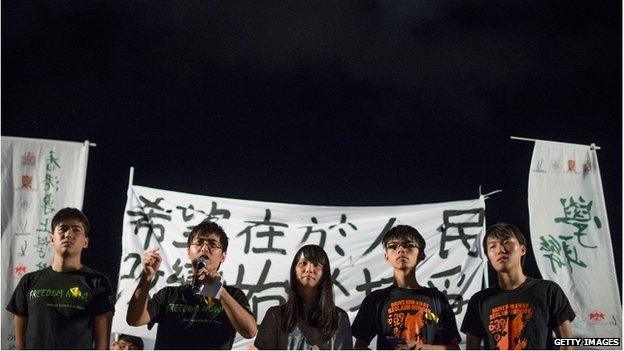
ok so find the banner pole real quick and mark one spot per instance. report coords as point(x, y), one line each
point(83, 184)
point(130, 177)
point(592, 146)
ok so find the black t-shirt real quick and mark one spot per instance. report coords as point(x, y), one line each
point(395, 313)
point(61, 306)
point(189, 321)
point(272, 336)
point(523, 318)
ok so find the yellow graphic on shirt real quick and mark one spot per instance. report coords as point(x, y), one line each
point(75, 292)
point(431, 317)
point(209, 302)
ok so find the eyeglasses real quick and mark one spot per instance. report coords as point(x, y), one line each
point(407, 245)
point(212, 244)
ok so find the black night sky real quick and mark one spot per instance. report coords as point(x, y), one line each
point(346, 103)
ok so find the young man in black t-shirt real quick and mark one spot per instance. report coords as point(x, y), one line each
point(519, 312)
point(67, 305)
point(187, 320)
point(405, 314)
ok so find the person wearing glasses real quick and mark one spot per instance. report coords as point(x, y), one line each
point(405, 315)
point(309, 320)
point(187, 318)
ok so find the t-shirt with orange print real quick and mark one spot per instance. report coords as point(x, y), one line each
point(518, 319)
point(399, 315)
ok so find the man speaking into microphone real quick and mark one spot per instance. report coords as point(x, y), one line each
point(202, 315)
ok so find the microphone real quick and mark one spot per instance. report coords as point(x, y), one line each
point(209, 288)
point(202, 262)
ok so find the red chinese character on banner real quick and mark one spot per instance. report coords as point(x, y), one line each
point(596, 315)
point(20, 269)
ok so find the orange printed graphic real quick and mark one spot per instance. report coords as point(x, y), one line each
point(413, 325)
point(506, 325)
point(406, 318)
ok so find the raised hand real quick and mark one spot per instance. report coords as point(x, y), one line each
point(151, 261)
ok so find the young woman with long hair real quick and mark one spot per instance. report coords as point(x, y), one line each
point(309, 319)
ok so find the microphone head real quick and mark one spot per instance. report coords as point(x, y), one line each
point(202, 262)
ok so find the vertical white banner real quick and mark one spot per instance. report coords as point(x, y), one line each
point(39, 177)
point(264, 236)
point(570, 234)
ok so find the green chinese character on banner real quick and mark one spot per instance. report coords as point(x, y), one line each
point(562, 251)
point(578, 214)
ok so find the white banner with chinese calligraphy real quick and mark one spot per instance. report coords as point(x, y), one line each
point(264, 237)
point(39, 177)
point(570, 234)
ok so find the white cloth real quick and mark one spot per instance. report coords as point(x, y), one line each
point(264, 237)
point(39, 177)
point(570, 234)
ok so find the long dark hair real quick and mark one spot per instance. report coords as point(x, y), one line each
point(324, 314)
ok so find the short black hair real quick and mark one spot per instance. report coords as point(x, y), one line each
point(134, 340)
point(206, 227)
point(68, 213)
point(405, 232)
point(504, 231)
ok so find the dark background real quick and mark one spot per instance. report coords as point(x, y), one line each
point(350, 103)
